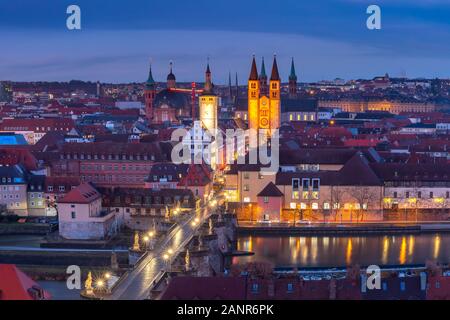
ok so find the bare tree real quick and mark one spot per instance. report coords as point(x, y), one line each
point(336, 196)
point(364, 197)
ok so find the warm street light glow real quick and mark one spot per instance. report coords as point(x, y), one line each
point(197, 220)
point(170, 251)
point(146, 238)
point(107, 275)
point(100, 283)
point(166, 256)
point(151, 234)
point(193, 223)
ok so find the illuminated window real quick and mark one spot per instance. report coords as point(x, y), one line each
point(315, 195)
point(326, 206)
point(295, 195)
point(305, 195)
point(302, 206)
point(293, 205)
point(246, 199)
point(298, 117)
point(291, 117)
point(315, 206)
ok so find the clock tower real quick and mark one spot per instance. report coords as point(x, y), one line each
point(208, 103)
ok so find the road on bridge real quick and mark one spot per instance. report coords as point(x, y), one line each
point(136, 286)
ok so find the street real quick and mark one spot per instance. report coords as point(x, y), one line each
point(137, 284)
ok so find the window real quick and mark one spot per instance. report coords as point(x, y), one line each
point(326, 206)
point(246, 187)
point(315, 184)
point(295, 184)
point(419, 194)
point(395, 194)
point(431, 195)
point(402, 286)
point(305, 184)
point(246, 175)
point(73, 214)
point(407, 194)
point(295, 195)
point(315, 206)
point(447, 194)
point(266, 199)
point(62, 188)
point(305, 195)
point(290, 287)
point(255, 288)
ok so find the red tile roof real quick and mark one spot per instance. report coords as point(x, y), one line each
point(205, 288)
point(83, 194)
point(16, 285)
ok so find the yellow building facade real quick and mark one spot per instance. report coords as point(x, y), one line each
point(264, 111)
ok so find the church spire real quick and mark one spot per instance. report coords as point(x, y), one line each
point(275, 76)
point(150, 81)
point(253, 71)
point(237, 85)
point(263, 70)
point(230, 91)
point(292, 82)
point(292, 76)
point(208, 83)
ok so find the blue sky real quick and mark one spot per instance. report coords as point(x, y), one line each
point(327, 38)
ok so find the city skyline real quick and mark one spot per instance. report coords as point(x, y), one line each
point(328, 40)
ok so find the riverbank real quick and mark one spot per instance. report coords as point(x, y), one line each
point(321, 229)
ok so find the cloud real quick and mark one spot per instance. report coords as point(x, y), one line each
point(122, 56)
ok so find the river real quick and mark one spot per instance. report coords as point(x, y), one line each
point(338, 251)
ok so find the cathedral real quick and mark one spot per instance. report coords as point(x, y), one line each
point(170, 105)
point(264, 100)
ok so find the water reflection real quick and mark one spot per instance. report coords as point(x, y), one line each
point(341, 251)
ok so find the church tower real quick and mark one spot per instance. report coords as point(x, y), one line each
point(171, 81)
point(253, 97)
point(274, 96)
point(292, 82)
point(263, 79)
point(208, 103)
point(264, 109)
point(149, 95)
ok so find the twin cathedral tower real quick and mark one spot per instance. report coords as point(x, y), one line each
point(264, 99)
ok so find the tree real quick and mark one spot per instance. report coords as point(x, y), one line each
point(364, 197)
point(336, 196)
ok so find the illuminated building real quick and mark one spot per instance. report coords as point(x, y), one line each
point(208, 104)
point(263, 110)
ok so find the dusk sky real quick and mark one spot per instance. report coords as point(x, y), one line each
point(327, 38)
